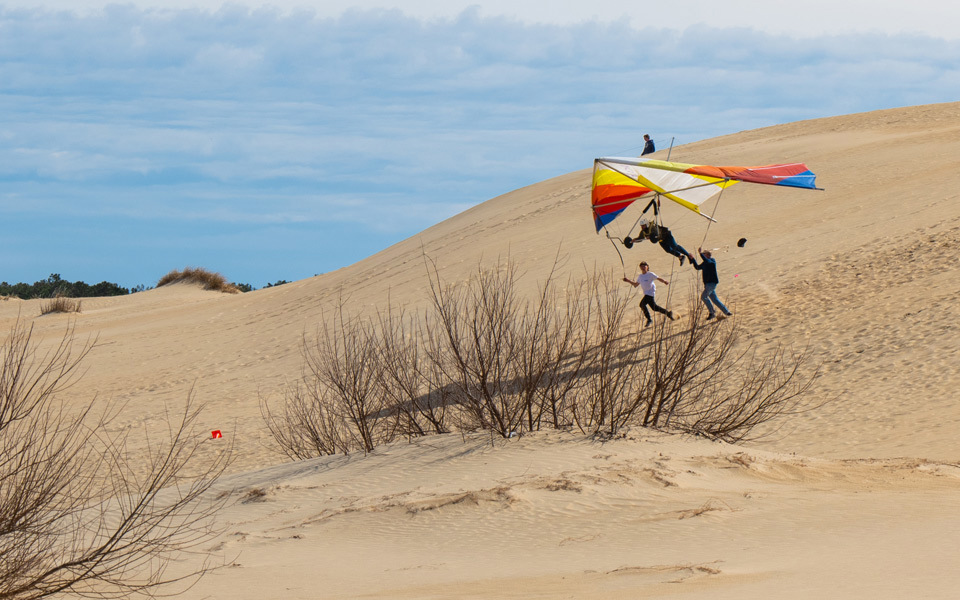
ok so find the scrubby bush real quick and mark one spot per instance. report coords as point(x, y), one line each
point(60, 304)
point(338, 406)
point(484, 357)
point(208, 279)
point(407, 375)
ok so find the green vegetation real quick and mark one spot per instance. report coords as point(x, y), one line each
point(246, 287)
point(54, 286)
point(57, 287)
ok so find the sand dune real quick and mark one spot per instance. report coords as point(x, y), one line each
point(854, 501)
point(557, 515)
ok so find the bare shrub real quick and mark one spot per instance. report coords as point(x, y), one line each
point(615, 372)
point(78, 514)
point(735, 394)
point(407, 379)
point(306, 425)
point(546, 334)
point(344, 363)
point(483, 356)
point(563, 350)
point(60, 304)
point(696, 377)
point(679, 358)
point(209, 280)
point(494, 347)
point(361, 385)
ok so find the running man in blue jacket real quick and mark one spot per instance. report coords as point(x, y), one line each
point(708, 267)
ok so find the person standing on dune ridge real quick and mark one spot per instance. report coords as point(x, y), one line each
point(648, 147)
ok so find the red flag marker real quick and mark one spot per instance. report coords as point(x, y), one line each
point(215, 434)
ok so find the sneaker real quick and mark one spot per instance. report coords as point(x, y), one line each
point(681, 259)
point(711, 316)
point(647, 324)
point(670, 314)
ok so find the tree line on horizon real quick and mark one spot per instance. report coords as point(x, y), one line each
point(55, 286)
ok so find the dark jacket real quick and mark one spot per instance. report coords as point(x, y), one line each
point(709, 269)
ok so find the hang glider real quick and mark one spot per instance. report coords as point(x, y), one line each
point(618, 182)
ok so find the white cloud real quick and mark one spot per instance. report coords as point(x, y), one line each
point(808, 19)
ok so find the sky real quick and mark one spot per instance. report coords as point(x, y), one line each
point(278, 141)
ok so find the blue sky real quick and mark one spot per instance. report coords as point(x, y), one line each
point(282, 141)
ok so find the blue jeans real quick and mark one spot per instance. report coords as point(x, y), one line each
point(710, 294)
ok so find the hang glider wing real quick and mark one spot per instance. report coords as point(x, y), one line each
point(618, 182)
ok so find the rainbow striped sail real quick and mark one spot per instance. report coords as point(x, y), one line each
point(618, 182)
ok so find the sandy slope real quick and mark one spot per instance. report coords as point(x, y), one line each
point(558, 516)
point(856, 501)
